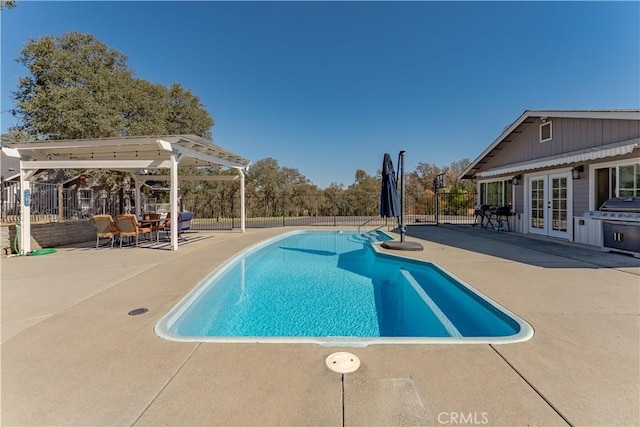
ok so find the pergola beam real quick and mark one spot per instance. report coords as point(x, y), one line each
point(96, 164)
point(204, 157)
point(191, 177)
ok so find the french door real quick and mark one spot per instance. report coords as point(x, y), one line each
point(550, 205)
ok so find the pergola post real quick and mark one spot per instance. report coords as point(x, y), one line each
point(137, 183)
point(174, 200)
point(25, 211)
point(242, 202)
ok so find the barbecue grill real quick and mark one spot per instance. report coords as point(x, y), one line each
point(620, 224)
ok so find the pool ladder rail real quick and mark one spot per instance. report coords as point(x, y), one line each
point(367, 222)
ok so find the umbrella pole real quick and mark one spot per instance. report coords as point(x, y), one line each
point(401, 171)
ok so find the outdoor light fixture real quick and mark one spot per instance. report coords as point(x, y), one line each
point(516, 179)
point(575, 172)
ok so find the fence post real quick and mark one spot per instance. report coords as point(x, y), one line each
point(2, 198)
point(60, 202)
point(335, 210)
point(233, 215)
point(284, 210)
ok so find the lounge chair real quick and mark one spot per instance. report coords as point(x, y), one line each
point(129, 227)
point(105, 227)
point(184, 223)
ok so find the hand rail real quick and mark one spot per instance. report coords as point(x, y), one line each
point(367, 222)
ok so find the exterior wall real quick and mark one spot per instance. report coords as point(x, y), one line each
point(587, 231)
point(518, 199)
point(50, 235)
point(568, 135)
point(581, 194)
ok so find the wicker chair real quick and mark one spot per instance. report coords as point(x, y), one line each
point(129, 227)
point(105, 227)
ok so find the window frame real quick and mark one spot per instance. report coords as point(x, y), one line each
point(506, 188)
point(542, 125)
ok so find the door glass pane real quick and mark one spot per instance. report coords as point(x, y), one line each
point(559, 204)
point(537, 204)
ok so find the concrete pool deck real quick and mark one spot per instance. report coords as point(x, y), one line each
point(72, 356)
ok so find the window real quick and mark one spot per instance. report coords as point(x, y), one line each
point(546, 132)
point(629, 180)
point(622, 180)
point(496, 193)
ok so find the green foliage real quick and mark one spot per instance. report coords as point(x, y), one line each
point(78, 87)
point(363, 196)
point(8, 4)
point(75, 88)
point(184, 113)
point(269, 185)
point(278, 191)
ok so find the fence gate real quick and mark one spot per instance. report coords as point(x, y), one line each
point(441, 208)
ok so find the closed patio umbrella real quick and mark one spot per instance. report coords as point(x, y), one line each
point(391, 206)
point(389, 203)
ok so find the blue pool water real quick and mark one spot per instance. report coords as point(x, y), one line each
point(333, 287)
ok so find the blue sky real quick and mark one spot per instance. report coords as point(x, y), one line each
point(329, 87)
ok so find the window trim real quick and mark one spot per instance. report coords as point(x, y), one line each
point(543, 124)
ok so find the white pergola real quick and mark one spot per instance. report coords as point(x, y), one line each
point(131, 154)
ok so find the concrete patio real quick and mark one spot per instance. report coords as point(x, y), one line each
point(71, 355)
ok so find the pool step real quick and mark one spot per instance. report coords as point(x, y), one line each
point(442, 318)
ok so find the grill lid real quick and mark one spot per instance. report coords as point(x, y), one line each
point(622, 204)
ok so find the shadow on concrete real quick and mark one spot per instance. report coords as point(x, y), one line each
point(527, 249)
point(163, 244)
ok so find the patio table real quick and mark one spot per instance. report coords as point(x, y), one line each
point(154, 224)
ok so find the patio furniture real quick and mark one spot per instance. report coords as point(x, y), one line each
point(184, 223)
point(501, 216)
point(105, 227)
point(483, 214)
point(129, 227)
point(152, 220)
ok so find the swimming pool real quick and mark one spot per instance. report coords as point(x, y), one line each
point(336, 288)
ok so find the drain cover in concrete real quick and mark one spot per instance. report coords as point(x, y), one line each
point(343, 362)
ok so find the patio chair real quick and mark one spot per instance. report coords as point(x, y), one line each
point(129, 227)
point(184, 223)
point(105, 227)
point(153, 221)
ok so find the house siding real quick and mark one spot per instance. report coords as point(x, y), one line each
point(568, 135)
point(580, 195)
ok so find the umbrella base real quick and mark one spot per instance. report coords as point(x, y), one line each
point(402, 246)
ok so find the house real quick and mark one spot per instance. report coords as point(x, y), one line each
point(551, 167)
point(9, 167)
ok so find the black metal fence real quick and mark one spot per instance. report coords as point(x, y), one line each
point(52, 203)
point(339, 210)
